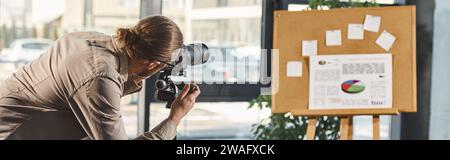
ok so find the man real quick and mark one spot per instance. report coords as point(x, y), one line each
point(73, 90)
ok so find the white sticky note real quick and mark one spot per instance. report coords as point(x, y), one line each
point(334, 38)
point(372, 23)
point(309, 48)
point(356, 31)
point(386, 40)
point(294, 69)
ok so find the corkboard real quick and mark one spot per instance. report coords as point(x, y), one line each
point(291, 28)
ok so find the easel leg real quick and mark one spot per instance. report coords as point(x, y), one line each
point(346, 128)
point(350, 128)
point(376, 127)
point(311, 130)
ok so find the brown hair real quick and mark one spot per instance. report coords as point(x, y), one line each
point(153, 38)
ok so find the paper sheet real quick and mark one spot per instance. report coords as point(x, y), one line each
point(355, 31)
point(309, 48)
point(334, 38)
point(294, 69)
point(386, 40)
point(372, 23)
point(362, 81)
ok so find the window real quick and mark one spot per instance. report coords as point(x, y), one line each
point(221, 3)
point(299, 6)
point(232, 30)
point(35, 24)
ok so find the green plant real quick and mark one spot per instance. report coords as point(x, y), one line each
point(277, 126)
point(289, 127)
point(332, 4)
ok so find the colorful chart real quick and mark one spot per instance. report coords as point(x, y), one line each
point(353, 86)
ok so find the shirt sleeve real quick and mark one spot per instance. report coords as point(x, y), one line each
point(166, 130)
point(99, 106)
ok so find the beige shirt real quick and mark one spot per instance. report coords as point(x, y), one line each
point(72, 91)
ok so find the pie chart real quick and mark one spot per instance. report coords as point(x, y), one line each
point(353, 86)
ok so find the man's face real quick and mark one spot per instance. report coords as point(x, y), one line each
point(144, 69)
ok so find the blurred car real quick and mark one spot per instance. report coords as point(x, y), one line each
point(25, 50)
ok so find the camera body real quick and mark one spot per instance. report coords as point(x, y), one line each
point(166, 89)
point(190, 55)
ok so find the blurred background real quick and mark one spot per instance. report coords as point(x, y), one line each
point(229, 27)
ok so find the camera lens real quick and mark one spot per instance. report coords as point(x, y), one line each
point(161, 85)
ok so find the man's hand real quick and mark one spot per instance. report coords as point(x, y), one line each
point(184, 103)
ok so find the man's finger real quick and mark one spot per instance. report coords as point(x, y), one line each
point(195, 93)
point(185, 91)
point(196, 90)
